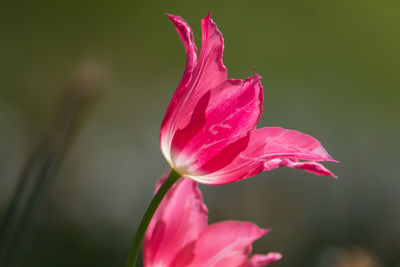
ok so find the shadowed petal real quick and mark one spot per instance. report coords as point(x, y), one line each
point(198, 78)
point(209, 131)
point(178, 235)
point(265, 146)
point(220, 118)
point(208, 112)
point(226, 243)
point(186, 34)
point(179, 220)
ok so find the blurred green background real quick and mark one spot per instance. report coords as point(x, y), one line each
point(330, 69)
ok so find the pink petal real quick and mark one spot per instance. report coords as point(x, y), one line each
point(208, 112)
point(208, 72)
point(178, 221)
point(186, 34)
point(224, 244)
point(265, 146)
point(310, 166)
point(220, 118)
point(262, 260)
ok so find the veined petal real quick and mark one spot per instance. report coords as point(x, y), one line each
point(208, 133)
point(178, 221)
point(209, 72)
point(226, 243)
point(276, 142)
point(262, 260)
point(220, 119)
point(268, 144)
point(209, 88)
point(186, 34)
point(310, 166)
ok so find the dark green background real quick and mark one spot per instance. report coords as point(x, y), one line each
point(330, 69)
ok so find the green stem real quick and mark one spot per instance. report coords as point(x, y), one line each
point(155, 202)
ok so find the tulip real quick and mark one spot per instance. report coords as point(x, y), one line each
point(209, 130)
point(178, 235)
point(209, 133)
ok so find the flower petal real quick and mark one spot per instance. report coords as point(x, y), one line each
point(264, 147)
point(197, 105)
point(226, 243)
point(178, 221)
point(186, 34)
point(220, 118)
point(262, 260)
point(310, 166)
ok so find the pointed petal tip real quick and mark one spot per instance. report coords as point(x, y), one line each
point(256, 76)
point(329, 158)
point(275, 255)
point(169, 15)
point(327, 172)
point(174, 18)
point(208, 17)
point(265, 231)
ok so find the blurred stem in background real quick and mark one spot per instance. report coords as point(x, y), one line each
point(45, 160)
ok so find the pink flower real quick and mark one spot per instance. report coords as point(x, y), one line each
point(178, 235)
point(209, 130)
